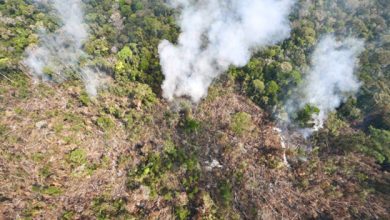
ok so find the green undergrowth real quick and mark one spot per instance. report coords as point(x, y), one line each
point(80, 165)
point(47, 190)
point(108, 208)
point(158, 166)
point(241, 123)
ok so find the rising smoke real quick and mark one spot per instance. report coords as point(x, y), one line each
point(217, 34)
point(60, 53)
point(330, 80)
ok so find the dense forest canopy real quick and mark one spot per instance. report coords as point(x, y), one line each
point(117, 149)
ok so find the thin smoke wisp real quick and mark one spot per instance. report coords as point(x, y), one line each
point(60, 53)
point(215, 35)
point(330, 80)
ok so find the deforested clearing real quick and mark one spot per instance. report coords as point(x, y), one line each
point(186, 109)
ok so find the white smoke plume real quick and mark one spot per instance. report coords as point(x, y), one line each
point(330, 80)
point(217, 34)
point(61, 52)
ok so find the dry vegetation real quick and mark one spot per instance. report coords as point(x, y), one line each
point(128, 154)
point(130, 157)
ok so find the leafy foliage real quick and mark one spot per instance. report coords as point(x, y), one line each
point(241, 122)
point(305, 115)
point(123, 43)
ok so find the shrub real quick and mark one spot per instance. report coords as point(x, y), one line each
point(304, 116)
point(225, 190)
point(47, 190)
point(109, 209)
point(144, 93)
point(191, 125)
point(77, 157)
point(3, 129)
point(105, 123)
point(182, 213)
point(84, 99)
point(241, 123)
point(380, 147)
